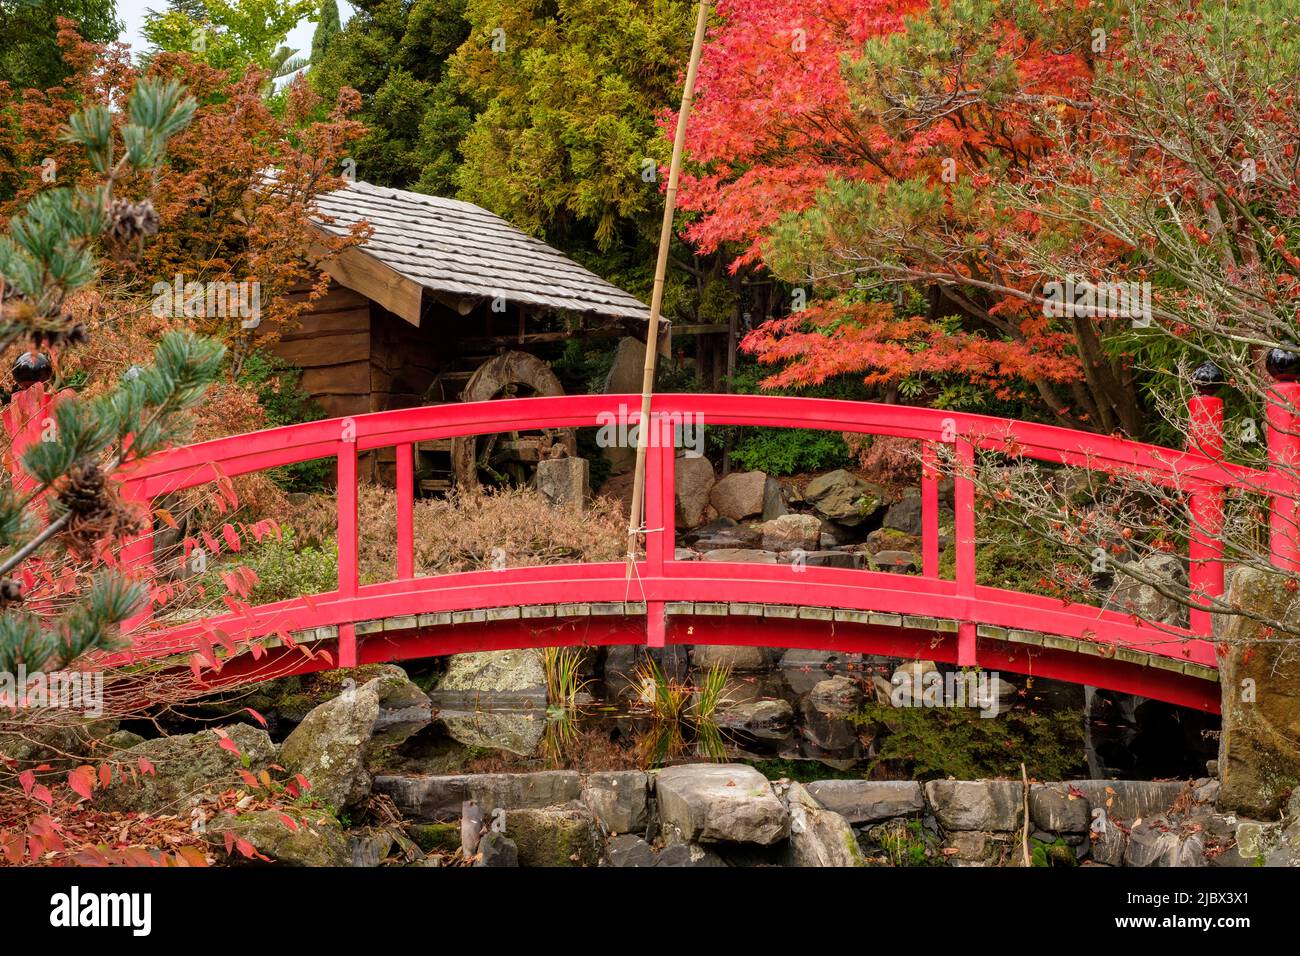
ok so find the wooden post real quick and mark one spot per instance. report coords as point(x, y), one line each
point(635, 517)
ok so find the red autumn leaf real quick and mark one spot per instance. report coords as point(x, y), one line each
point(145, 766)
point(27, 780)
point(82, 781)
point(41, 793)
point(105, 775)
point(289, 822)
point(232, 537)
point(256, 716)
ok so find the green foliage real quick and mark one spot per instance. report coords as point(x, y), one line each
point(1056, 853)
point(802, 771)
point(927, 743)
point(396, 54)
point(48, 252)
point(905, 844)
point(30, 57)
point(789, 451)
point(327, 28)
point(278, 385)
point(284, 570)
point(786, 451)
point(1007, 556)
point(229, 35)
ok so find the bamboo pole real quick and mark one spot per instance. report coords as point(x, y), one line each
point(636, 516)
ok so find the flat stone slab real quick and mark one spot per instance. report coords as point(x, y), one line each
point(720, 803)
point(438, 797)
point(869, 801)
point(1129, 799)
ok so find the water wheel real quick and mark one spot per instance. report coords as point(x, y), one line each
point(504, 457)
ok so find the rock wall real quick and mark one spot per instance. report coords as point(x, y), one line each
point(731, 815)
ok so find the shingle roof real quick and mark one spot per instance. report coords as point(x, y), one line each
point(459, 248)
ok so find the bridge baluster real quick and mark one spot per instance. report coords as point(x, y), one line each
point(347, 543)
point(929, 511)
point(1284, 463)
point(1205, 547)
point(964, 505)
point(405, 512)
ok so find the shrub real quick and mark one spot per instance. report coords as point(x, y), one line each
point(933, 743)
point(470, 531)
point(284, 569)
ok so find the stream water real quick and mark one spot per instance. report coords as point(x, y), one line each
point(823, 714)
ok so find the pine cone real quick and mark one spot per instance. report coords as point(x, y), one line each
point(130, 221)
point(84, 494)
point(96, 512)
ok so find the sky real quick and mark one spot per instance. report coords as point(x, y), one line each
point(132, 13)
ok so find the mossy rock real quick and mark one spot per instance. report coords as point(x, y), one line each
point(1260, 682)
point(185, 766)
point(554, 836)
point(436, 837)
point(317, 839)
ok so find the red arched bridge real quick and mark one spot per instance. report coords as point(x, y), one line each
point(697, 602)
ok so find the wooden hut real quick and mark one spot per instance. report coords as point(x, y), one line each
point(444, 301)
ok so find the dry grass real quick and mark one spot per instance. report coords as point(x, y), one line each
point(466, 532)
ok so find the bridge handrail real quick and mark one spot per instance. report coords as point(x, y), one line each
point(201, 463)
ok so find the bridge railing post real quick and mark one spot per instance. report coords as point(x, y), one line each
point(405, 511)
point(660, 518)
point(929, 511)
point(964, 529)
point(136, 557)
point(347, 537)
point(1284, 463)
point(1205, 545)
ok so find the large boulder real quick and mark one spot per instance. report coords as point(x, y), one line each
point(836, 696)
point(1133, 596)
point(869, 801)
point(694, 479)
point(329, 747)
point(740, 494)
point(513, 674)
point(790, 532)
point(315, 839)
point(716, 803)
point(337, 741)
point(1258, 758)
point(844, 498)
point(991, 805)
point(188, 766)
point(818, 836)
